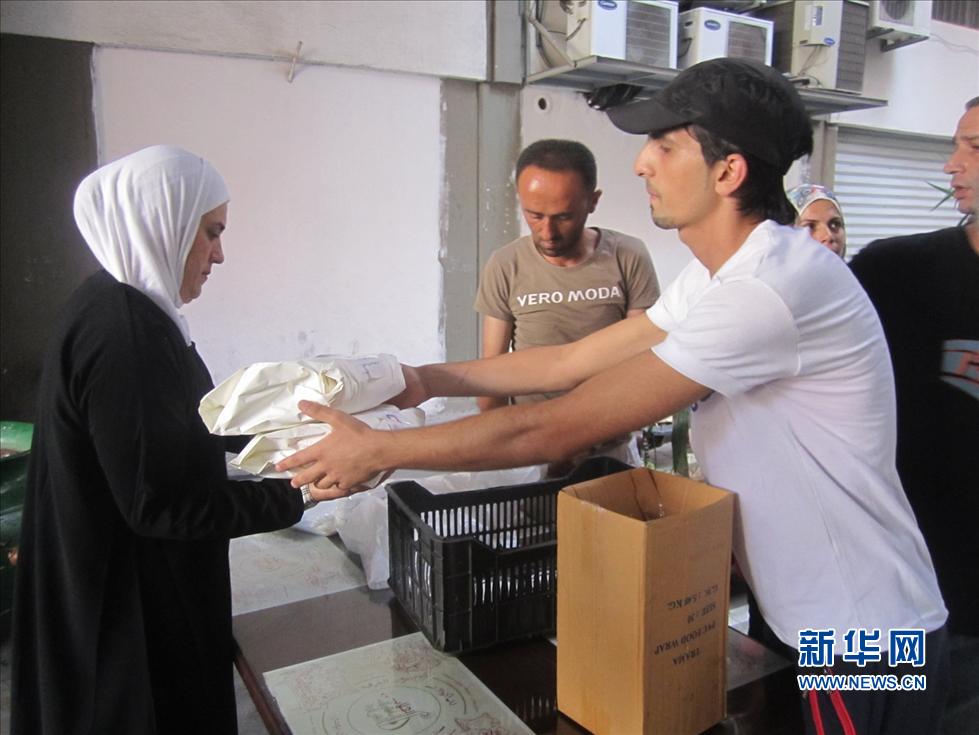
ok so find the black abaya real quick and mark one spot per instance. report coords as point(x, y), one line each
point(122, 608)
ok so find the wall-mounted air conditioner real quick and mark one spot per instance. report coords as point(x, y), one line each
point(899, 22)
point(638, 31)
point(821, 42)
point(706, 33)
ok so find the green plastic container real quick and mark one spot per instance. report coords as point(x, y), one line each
point(15, 447)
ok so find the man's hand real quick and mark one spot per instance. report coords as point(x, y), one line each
point(415, 391)
point(338, 463)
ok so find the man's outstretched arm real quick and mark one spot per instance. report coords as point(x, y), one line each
point(625, 397)
point(497, 336)
point(537, 370)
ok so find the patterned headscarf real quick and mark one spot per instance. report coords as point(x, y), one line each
point(802, 196)
point(140, 214)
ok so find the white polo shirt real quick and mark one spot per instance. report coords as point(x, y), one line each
point(801, 425)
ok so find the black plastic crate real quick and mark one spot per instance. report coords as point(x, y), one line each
point(479, 567)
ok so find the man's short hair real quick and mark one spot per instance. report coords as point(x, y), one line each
point(974, 102)
point(762, 194)
point(560, 155)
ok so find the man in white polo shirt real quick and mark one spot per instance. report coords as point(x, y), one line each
point(776, 346)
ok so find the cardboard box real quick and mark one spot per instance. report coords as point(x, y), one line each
point(644, 565)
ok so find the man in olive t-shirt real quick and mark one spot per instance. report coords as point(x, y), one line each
point(564, 280)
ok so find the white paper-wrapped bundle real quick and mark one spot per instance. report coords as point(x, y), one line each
point(263, 397)
point(261, 454)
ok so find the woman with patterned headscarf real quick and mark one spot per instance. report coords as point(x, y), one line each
point(819, 211)
point(122, 606)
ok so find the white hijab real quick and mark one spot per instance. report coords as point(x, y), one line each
point(139, 216)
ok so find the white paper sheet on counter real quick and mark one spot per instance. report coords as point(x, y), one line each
point(264, 396)
point(402, 685)
point(276, 568)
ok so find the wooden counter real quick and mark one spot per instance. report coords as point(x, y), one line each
point(762, 692)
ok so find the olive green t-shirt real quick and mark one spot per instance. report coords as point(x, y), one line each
point(550, 304)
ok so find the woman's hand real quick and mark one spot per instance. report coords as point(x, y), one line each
point(339, 463)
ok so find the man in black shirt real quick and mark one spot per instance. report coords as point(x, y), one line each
point(926, 290)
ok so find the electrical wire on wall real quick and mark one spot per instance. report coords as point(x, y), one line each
point(547, 37)
point(955, 47)
point(812, 59)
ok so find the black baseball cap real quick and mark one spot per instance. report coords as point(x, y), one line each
point(747, 103)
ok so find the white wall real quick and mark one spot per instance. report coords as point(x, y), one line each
point(333, 237)
point(926, 84)
point(624, 205)
point(444, 38)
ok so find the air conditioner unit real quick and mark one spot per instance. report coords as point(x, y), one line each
point(706, 33)
point(821, 42)
point(638, 31)
point(899, 22)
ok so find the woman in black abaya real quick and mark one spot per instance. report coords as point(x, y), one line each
point(122, 607)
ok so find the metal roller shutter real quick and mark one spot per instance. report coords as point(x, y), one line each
point(881, 179)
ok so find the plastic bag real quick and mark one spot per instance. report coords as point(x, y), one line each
point(362, 523)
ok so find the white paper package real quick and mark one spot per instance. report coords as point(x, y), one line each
point(264, 450)
point(263, 397)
